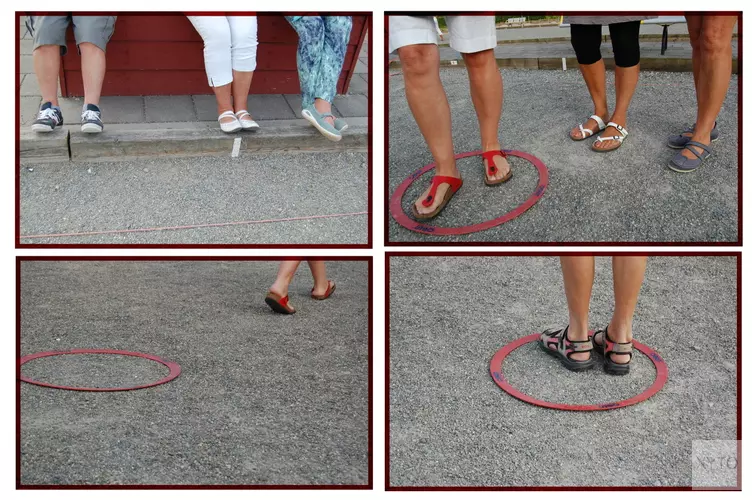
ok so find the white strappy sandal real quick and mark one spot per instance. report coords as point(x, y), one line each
point(619, 138)
point(229, 127)
point(586, 132)
point(247, 123)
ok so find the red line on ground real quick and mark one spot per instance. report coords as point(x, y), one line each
point(191, 226)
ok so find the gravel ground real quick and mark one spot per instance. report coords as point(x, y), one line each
point(628, 195)
point(262, 398)
point(451, 425)
point(176, 191)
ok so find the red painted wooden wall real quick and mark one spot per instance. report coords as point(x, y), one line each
point(163, 55)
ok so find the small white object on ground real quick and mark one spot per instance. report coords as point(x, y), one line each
point(236, 147)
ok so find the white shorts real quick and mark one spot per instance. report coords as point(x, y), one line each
point(467, 34)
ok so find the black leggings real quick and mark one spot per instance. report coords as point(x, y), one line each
point(625, 39)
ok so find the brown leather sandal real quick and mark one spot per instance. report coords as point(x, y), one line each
point(279, 304)
point(329, 290)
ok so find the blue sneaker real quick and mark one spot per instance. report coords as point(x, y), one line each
point(48, 118)
point(91, 120)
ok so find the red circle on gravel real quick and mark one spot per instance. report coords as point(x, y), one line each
point(395, 204)
point(174, 369)
point(660, 379)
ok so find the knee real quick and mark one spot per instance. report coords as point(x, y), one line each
point(416, 59)
point(47, 50)
point(478, 59)
point(339, 29)
point(89, 48)
point(714, 41)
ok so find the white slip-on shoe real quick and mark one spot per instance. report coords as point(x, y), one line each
point(248, 123)
point(229, 127)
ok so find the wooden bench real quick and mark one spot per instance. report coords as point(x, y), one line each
point(162, 54)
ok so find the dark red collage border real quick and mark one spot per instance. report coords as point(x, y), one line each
point(369, 190)
point(389, 243)
point(651, 253)
point(367, 486)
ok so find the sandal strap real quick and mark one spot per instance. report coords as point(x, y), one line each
point(586, 132)
point(559, 341)
point(618, 127)
point(599, 121)
point(491, 168)
point(611, 347)
point(227, 114)
point(242, 112)
point(707, 149)
point(619, 138)
point(454, 185)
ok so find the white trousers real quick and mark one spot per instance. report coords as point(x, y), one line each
point(467, 34)
point(230, 43)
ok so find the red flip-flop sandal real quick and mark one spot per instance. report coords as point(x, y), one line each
point(279, 304)
point(491, 168)
point(329, 290)
point(454, 184)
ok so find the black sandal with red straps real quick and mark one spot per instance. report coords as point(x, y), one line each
point(492, 169)
point(557, 343)
point(607, 347)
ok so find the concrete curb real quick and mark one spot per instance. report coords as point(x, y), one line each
point(675, 65)
point(44, 147)
point(186, 138)
point(606, 38)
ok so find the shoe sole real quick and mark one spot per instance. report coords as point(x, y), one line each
point(332, 137)
point(586, 365)
point(276, 307)
point(42, 128)
point(90, 128)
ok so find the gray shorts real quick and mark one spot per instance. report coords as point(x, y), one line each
point(467, 34)
point(50, 30)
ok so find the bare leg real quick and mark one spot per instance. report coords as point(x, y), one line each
point(714, 75)
point(487, 92)
point(224, 101)
point(579, 273)
point(241, 85)
point(629, 272)
point(320, 282)
point(626, 83)
point(430, 107)
point(47, 68)
point(93, 66)
point(595, 79)
point(694, 26)
point(284, 277)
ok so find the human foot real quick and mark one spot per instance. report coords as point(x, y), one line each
point(321, 291)
point(496, 166)
point(593, 125)
point(245, 119)
point(558, 344)
point(325, 108)
point(228, 122)
point(611, 138)
point(616, 346)
point(279, 301)
point(681, 140)
point(438, 194)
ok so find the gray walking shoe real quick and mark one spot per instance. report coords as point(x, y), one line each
point(679, 141)
point(318, 120)
point(680, 163)
point(340, 124)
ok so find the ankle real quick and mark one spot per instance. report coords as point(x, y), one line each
point(602, 113)
point(449, 169)
point(491, 146)
point(577, 331)
point(619, 118)
point(279, 289)
point(620, 331)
